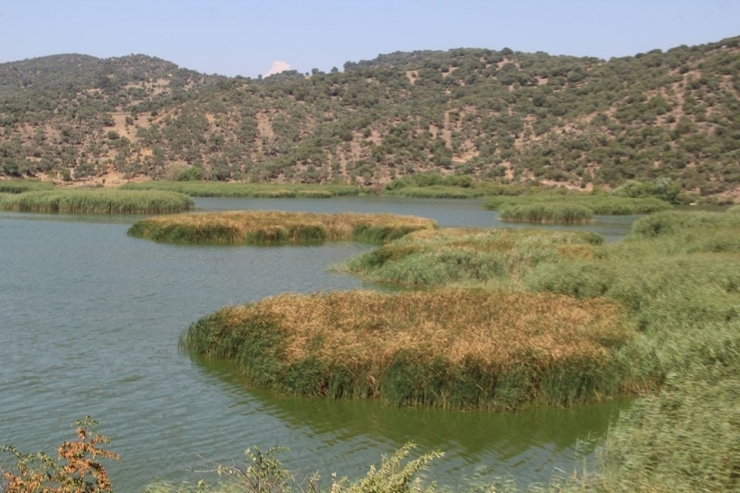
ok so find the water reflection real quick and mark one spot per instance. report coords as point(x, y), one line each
point(521, 444)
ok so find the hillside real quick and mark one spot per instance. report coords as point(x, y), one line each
point(500, 115)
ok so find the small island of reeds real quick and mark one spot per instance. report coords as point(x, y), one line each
point(449, 348)
point(275, 227)
point(97, 202)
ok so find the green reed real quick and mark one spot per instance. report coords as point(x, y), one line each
point(546, 213)
point(98, 202)
point(600, 204)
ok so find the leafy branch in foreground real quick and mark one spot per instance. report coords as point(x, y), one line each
point(76, 469)
point(264, 473)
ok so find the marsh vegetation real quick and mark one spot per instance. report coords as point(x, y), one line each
point(661, 320)
point(571, 208)
point(678, 277)
point(250, 190)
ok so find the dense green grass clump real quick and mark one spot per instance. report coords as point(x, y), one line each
point(545, 213)
point(450, 255)
point(252, 190)
point(272, 227)
point(98, 202)
point(20, 186)
point(600, 204)
point(454, 349)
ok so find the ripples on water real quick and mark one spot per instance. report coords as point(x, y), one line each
point(91, 320)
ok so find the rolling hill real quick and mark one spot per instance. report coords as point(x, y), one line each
point(491, 114)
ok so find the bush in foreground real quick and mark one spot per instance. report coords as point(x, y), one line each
point(76, 470)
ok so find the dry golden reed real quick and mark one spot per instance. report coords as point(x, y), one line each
point(449, 348)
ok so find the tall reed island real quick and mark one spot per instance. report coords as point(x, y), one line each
point(274, 227)
point(453, 349)
point(97, 202)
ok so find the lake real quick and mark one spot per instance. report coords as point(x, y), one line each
point(91, 320)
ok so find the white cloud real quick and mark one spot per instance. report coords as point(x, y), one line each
point(277, 67)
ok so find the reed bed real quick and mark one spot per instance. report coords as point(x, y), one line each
point(450, 348)
point(546, 213)
point(452, 255)
point(20, 186)
point(599, 204)
point(98, 202)
point(677, 278)
point(247, 190)
point(437, 192)
point(274, 227)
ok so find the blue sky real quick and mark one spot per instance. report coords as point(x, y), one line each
point(232, 37)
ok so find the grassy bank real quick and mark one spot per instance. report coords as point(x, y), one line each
point(20, 186)
point(272, 227)
point(455, 349)
point(97, 201)
point(600, 204)
point(247, 190)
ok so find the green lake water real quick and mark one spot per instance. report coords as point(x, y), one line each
point(90, 323)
